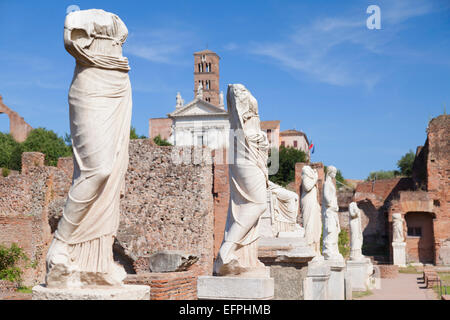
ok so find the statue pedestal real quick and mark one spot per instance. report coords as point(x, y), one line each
point(234, 288)
point(336, 283)
point(399, 253)
point(360, 272)
point(316, 282)
point(125, 292)
point(288, 260)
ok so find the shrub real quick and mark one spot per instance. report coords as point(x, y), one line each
point(9, 260)
point(344, 243)
point(160, 141)
point(5, 172)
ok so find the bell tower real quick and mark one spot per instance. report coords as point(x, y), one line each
point(206, 72)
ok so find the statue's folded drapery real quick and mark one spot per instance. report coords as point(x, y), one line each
point(285, 206)
point(312, 221)
point(100, 114)
point(248, 184)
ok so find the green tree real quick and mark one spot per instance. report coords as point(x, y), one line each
point(288, 157)
point(405, 164)
point(381, 175)
point(7, 146)
point(160, 141)
point(47, 142)
point(134, 135)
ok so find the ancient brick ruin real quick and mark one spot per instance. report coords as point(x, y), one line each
point(165, 206)
point(423, 200)
point(18, 128)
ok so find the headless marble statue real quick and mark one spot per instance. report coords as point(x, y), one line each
point(397, 226)
point(312, 221)
point(330, 209)
point(356, 236)
point(100, 115)
point(248, 175)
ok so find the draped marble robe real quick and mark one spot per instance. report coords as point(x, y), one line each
point(248, 176)
point(397, 228)
point(285, 206)
point(356, 235)
point(100, 115)
point(310, 207)
point(330, 209)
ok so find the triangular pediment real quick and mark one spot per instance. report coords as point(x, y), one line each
point(198, 107)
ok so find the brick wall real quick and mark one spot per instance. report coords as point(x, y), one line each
point(161, 127)
point(221, 192)
point(25, 203)
point(168, 285)
point(438, 177)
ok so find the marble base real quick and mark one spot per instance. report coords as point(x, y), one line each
point(125, 292)
point(360, 273)
point(234, 288)
point(315, 286)
point(348, 285)
point(399, 253)
point(336, 283)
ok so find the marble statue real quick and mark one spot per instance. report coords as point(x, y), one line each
point(397, 228)
point(180, 101)
point(330, 209)
point(285, 209)
point(310, 208)
point(200, 91)
point(100, 105)
point(356, 235)
point(248, 176)
point(221, 98)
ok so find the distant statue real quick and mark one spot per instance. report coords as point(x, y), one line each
point(285, 209)
point(100, 104)
point(312, 221)
point(330, 209)
point(238, 254)
point(180, 101)
point(200, 91)
point(397, 228)
point(356, 235)
point(221, 98)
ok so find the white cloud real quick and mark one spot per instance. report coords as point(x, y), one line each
point(335, 50)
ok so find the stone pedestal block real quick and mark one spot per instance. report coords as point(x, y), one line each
point(288, 261)
point(336, 283)
point(348, 286)
point(234, 288)
point(316, 283)
point(399, 253)
point(125, 292)
point(360, 273)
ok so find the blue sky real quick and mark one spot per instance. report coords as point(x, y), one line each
point(363, 96)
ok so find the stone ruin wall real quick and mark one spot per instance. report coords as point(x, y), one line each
point(168, 206)
point(164, 206)
point(18, 128)
point(26, 201)
point(373, 198)
point(438, 184)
